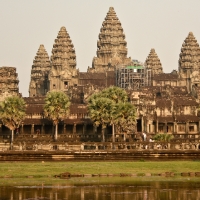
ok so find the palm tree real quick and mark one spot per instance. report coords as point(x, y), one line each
point(121, 113)
point(12, 113)
point(56, 108)
point(127, 117)
point(117, 95)
point(101, 110)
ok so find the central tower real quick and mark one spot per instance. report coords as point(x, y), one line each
point(111, 46)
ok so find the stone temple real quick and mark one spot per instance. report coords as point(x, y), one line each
point(165, 102)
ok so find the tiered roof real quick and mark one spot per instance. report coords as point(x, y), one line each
point(39, 73)
point(63, 52)
point(111, 46)
point(153, 62)
point(41, 64)
point(111, 38)
point(190, 53)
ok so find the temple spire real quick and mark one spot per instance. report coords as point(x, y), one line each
point(111, 46)
point(39, 73)
point(63, 52)
point(190, 53)
point(189, 62)
point(153, 63)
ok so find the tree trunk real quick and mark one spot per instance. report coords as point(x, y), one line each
point(56, 132)
point(11, 140)
point(103, 134)
point(113, 133)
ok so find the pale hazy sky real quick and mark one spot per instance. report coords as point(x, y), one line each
point(159, 24)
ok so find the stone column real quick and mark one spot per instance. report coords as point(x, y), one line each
point(156, 131)
point(32, 129)
point(187, 127)
point(175, 127)
point(74, 129)
point(147, 126)
point(142, 123)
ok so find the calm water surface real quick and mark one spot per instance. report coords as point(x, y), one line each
point(104, 189)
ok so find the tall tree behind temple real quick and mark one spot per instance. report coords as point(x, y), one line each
point(12, 113)
point(56, 108)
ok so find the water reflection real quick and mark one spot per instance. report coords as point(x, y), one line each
point(136, 190)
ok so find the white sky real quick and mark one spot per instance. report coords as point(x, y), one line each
point(159, 24)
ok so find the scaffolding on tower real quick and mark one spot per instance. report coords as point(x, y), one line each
point(130, 77)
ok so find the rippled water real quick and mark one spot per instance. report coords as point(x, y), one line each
point(110, 189)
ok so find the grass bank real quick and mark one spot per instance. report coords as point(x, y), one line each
point(49, 169)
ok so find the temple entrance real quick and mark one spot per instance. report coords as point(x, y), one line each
point(139, 125)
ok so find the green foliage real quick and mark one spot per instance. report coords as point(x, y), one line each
point(56, 106)
point(12, 112)
point(163, 137)
point(127, 116)
point(111, 107)
point(101, 110)
point(116, 94)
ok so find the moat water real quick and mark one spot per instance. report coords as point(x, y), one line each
point(104, 189)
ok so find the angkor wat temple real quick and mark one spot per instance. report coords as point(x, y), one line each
point(165, 102)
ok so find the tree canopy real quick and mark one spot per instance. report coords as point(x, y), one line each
point(56, 107)
point(12, 112)
point(111, 107)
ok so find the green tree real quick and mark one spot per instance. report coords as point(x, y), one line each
point(12, 113)
point(100, 110)
point(117, 95)
point(56, 108)
point(119, 100)
point(126, 119)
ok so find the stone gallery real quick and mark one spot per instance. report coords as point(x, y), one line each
point(165, 102)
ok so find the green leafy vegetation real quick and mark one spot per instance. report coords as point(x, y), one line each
point(12, 113)
point(56, 108)
point(163, 137)
point(111, 107)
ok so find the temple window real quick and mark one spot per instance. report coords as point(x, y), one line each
point(191, 128)
point(181, 128)
point(66, 84)
point(54, 86)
